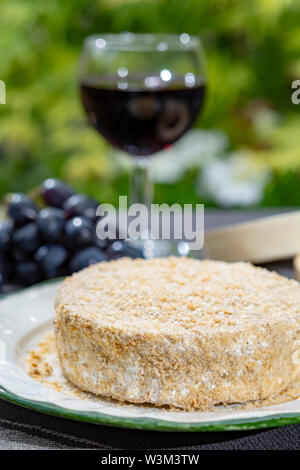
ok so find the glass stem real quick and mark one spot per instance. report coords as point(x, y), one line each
point(141, 188)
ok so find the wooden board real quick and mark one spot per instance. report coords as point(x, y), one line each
point(268, 239)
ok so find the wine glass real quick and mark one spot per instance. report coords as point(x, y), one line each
point(142, 92)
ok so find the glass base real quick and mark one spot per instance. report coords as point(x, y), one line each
point(160, 248)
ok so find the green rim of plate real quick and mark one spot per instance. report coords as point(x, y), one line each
point(149, 424)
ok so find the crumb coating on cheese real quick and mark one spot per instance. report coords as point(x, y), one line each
point(178, 331)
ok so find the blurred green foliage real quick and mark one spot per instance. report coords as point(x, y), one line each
point(252, 50)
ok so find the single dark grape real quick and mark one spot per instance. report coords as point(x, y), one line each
point(55, 192)
point(119, 249)
point(51, 258)
point(51, 223)
point(85, 258)
point(26, 239)
point(80, 232)
point(27, 272)
point(22, 209)
point(80, 205)
point(5, 235)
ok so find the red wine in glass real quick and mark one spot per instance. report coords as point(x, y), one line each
point(137, 119)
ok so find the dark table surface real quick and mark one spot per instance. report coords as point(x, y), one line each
point(24, 429)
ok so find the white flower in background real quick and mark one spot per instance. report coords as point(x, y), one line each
point(235, 181)
point(191, 151)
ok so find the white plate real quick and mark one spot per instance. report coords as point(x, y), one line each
point(25, 315)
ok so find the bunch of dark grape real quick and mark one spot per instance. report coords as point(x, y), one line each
point(59, 239)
